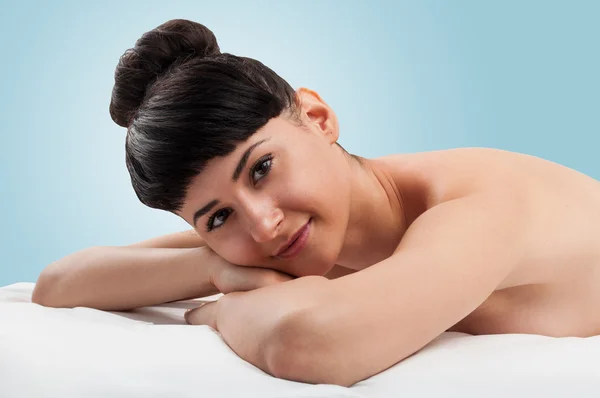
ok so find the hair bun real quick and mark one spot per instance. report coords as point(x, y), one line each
point(173, 42)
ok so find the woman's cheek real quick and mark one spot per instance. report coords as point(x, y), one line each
point(241, 254)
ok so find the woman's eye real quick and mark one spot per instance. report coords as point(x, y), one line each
point(261, 169)
point(218, 216)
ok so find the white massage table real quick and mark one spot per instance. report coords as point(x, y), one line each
point(152, 352)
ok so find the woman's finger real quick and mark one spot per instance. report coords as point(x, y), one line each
point(206, 314)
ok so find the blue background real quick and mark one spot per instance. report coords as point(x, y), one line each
point(402, 77)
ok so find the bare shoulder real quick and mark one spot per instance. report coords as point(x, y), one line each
point(560, 205)
point(454, 173)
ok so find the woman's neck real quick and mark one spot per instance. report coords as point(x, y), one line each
point(377, 218)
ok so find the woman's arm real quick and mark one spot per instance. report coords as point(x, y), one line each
point(175, 240)
point(448, 262)
point(338, 271)
point(117, 277)
point(122, 278)
point(167, 268)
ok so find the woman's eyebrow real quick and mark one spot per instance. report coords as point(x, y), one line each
point(242, 163)
point(236, 175)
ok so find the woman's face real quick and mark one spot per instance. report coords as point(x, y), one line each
point(289, 176)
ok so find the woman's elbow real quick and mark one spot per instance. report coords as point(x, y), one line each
point(45, 286)
point(303, 351)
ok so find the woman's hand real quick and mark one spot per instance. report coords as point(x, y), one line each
point(249, 322)
point(256, 303)
point(228, 277)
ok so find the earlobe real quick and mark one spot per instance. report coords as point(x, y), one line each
point(333, 133)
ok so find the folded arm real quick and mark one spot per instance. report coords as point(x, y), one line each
point(449, 261)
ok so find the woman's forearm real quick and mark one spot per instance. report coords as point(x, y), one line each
point(122, 278)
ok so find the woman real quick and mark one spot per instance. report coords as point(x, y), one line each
point(364, 261)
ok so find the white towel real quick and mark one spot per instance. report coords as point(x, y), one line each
point(152, 352)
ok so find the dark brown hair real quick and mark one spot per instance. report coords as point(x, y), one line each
point(184, 103)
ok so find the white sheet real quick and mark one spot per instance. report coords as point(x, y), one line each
point(151, 352)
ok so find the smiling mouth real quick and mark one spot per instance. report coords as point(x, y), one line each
point(298, 244)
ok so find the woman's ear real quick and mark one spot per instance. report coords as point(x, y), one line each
point(307, 91)
point(319, 114)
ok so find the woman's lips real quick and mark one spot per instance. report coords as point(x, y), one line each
point(298, 244)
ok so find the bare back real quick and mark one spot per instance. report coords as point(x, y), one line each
point(555, 291)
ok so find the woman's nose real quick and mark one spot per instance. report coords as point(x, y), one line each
point(264, 222)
